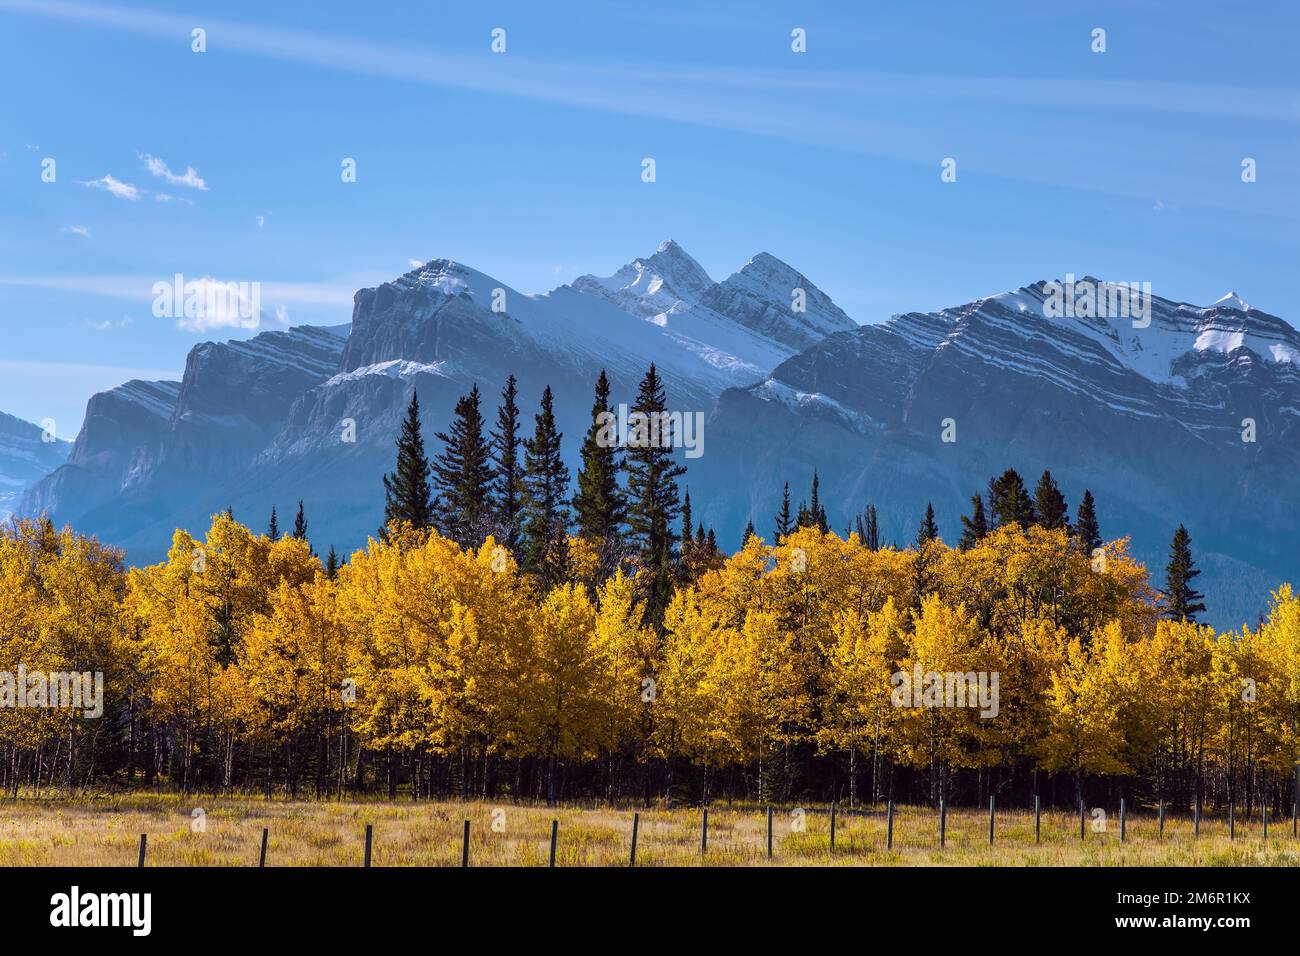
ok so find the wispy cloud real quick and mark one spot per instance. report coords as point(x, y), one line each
point(168, 197)
point(160, 170)
point(114, 186)
point(83, 231)
point(843, 111)
point(107, 325)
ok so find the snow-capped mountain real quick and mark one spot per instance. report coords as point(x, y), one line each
point(1180, 413)
point(307, 415)
point(1192, 416)
point(27, 454)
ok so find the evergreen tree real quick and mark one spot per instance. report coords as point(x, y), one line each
point(749, 533)
point(462, 475)
point(653, 501)
point(927, 530)
point(300, 524)
point(600, 509)
point(407, 496)
point(332, 564)
point(1183, 602)
point(868, 528)
point(1009, 501)
point(546, 507)
point(1086, 530)
point(976, 526)
point(927, 534)
point(784, 522)
point(816, 516)
point(273, 529)
point(686, 518)
point(1050, 505)
point(507, 473)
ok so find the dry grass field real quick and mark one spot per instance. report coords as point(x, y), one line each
point(106, 832)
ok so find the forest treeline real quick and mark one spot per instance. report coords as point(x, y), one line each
point(512, 633)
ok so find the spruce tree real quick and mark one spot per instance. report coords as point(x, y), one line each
point(749, 533)
point(1182, 601)
point(600, 510)
point(1009, 501)
point(784, 522)
point(816, 515)
point(927, 533)
point(462, 475)
point(653, 502)
point(975, 527)
point(927, 530)
point(546, 498)
point(1086, 530)
point(507, 472)
point(868, 528)
point(332, 564)
point(1049, 504)
point(407, 496)
point(300, 524)
point(273, 529)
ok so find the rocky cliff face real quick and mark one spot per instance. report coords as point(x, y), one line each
point(1190, 414)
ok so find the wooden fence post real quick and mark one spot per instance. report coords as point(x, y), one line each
point(1196, 819)
point(1123, 820)
point(1264, 817)
point(144, 838)
point(769, 833)
point(832, 826)
point(1038, 819)
point(1162, 820)
point(636, 822)
point(261, 860)
point(990, 819)
point(555, 833)
point(1082, 834)
point(889, 825)
point(464, 847)
point(369, 831)
point(943, 822)
point(1232, 821)
point(704, 833)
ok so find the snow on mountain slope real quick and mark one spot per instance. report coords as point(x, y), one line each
point(1154, 419)
point(748, 321)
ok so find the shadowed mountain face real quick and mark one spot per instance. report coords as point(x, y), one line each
point(1150, 415)
point(27, 454)
point(1157, 421)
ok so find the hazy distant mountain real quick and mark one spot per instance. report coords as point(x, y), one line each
point(25, 457)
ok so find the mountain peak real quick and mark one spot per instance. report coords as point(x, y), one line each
point(1232, 301)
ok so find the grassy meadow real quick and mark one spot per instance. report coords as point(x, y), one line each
point(106, 831)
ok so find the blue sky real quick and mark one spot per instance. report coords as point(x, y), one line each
point(526, 165)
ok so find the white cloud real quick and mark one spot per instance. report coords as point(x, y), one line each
point(107, 325)
point(159, 170)
point(115, 186)
point(168, 197)
point(415, 263)
point(83, 231)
